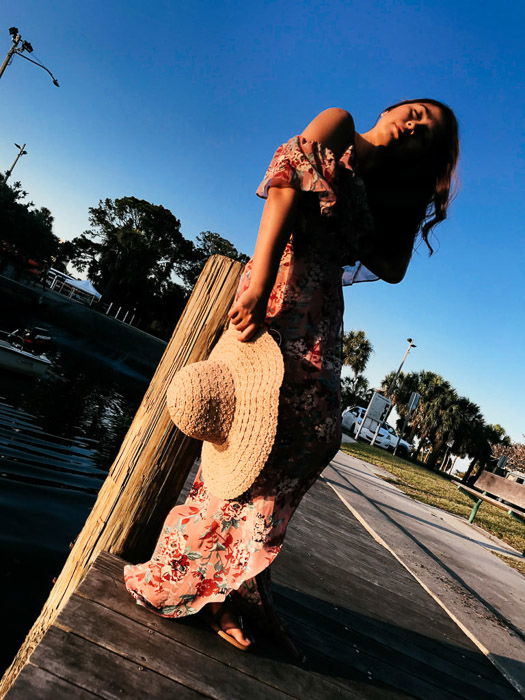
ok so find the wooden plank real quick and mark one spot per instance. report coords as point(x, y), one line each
point(338, 580)
point(343, 660)
point(102, 672)
point(160, 653)
point(35, 683)
point(470, 662)
point(435, 664)
point(339, 585)
point(487, 498)
point(104, 585)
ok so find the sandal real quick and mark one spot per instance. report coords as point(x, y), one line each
point(214, 620)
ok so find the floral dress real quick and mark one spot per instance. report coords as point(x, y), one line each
point(209, 547)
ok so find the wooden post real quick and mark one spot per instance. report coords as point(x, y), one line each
point(154, 459)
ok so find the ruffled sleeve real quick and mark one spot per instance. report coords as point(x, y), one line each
point(305, 165)
point(310, 166)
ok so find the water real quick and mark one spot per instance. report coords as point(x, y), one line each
point(58, 437)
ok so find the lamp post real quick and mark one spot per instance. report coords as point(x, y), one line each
point(21, 152)
point(18, 47)
point(392, 384)
point(391, 387)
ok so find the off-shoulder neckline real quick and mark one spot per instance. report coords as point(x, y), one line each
point(346, 159)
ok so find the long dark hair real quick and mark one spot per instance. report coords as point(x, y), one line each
point(431, 192)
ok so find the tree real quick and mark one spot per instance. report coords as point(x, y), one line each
point(356, 351)
point(208, 243)
point(433, 390)
point(131, 253)
point(460, 421)
point(24, 228)
point(484, 441)
point(137, 257)
point(444, 422)
point(355, 390)
point(133, 247)
point(515, 453)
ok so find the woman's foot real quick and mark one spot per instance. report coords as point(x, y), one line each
point(229, 624)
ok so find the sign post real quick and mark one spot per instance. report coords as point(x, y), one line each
point(376, 412)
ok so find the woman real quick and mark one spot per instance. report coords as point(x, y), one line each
point(334, 198)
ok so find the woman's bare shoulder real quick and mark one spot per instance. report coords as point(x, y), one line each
point(333, 127)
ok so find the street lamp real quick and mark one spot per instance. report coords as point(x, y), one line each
point(392, 384)
point(18, 47)
point(391, 387)
point(21, 152)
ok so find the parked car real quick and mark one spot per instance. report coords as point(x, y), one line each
point(404, 448)
point(350, 417)
point(386, 437)
point(351, 420)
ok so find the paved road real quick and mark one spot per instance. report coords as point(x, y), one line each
point(453, 560)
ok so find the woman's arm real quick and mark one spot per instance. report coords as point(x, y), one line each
point(247, 314)
point(334, 128)
point(390, 256)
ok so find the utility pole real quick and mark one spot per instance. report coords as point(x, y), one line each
point(391, 387)
point(16, 39)
point(18, 48)
point(396, 375)
point(21, 152)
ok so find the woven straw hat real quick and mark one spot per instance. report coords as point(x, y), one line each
point(230, 401)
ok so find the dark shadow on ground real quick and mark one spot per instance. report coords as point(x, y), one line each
point(353, 648)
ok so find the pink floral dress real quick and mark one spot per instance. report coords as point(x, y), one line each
point(209, 547)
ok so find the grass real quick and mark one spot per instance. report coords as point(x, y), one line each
point(436, 489)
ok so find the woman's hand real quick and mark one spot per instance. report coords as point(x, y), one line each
point(248, 313)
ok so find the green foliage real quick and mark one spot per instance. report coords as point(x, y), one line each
point(356, 351)
point(131, 254)
point(443, 417)
point(355, 391)
point(24, 227)
point(131, 250)
point(136, 256)
point(208, 243)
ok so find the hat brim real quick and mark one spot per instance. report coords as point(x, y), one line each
point(257, 367)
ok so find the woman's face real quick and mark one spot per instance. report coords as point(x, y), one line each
point(408, 130)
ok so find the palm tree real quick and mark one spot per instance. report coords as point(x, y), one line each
point(480, 448)
point(355, 390)
point(435, 399)
point(460, 420)
point(356, 351)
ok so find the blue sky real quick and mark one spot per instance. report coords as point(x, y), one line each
point(183, 104)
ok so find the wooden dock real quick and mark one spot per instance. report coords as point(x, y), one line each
point(367, 627)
